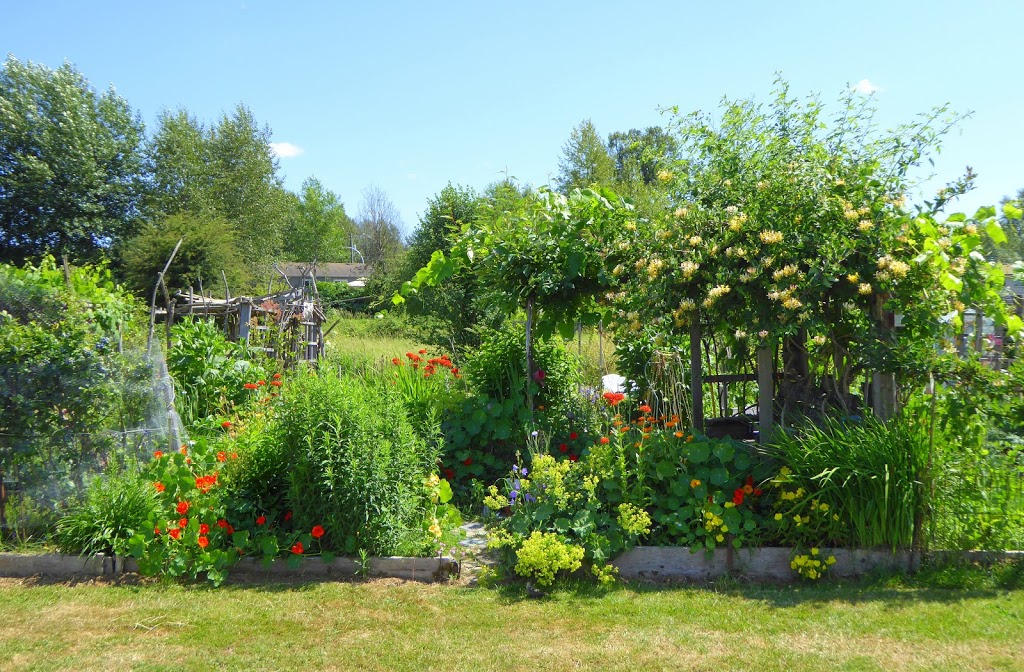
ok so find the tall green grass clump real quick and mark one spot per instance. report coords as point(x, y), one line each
point(873, 475)
point(355, 463)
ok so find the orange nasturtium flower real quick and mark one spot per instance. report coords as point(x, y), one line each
point(160, 487)
point(694, 483)
point(297, 548)
point(318, 531)
point(174, 533)
point(203, 542)
point(158, 454)
point(182, 507)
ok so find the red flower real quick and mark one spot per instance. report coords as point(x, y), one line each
point(737, 496)
point(277, 376)
point(468, 461)
point(160, 487)
point(573, 436)
point(563, 448)
point(614, 398)
point(539, 375)
point(645, 409)
point(158, 454)
point(230, 528)
point(749, 481)
point(605, 440)
point(222, 524)
point(287, 516)
point(183, 523)
point(261, 383)
point(203, 542)
point(757, 492)
point(225, 424)
point(174, 534)
point(297, 548)
point(250, 386)
point(156, 531)
point(423, 351)
point(222, 456)
point(261, 520)
point(396, 361)
point(234, 456)
point(449, 474)
point(276, 383)
point(182, 507)
point(204, 528)
point(574, 458)
point(183, 450)
point(318, 531)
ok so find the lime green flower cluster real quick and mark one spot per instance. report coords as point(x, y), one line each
point(633, 520)
point(544, 554)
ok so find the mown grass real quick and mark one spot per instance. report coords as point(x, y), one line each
point(389, 625)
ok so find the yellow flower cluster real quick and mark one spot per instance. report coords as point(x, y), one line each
point(715, 293)
point(736, 222)
point(771, 237)
point(785, 272)
point(695, 241)
point(688, 268)
point(634, 520)
point(715, 526)
point(812, 566)
point(864, 225)
point(894, 267)
point(654, 267)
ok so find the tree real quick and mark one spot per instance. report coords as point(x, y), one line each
point(639, 155)
point(208, 248)
point(378, 230)
point(227, 169)
point(70, 166)
point(1013, 228)
point(585, 160)
point(319, 230)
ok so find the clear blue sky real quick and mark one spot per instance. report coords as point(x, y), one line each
point(408, 96)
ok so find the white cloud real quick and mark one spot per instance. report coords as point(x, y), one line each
point(285, 150)
point(866, 87)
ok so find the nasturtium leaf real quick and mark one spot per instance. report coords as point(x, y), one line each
point(699, 452)
point(719, 476)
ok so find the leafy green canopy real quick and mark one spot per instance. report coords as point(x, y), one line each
point(70, 165)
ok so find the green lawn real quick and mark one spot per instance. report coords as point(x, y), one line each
point(389, 625)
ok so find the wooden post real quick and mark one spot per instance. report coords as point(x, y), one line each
point(765, 393)
point(244, 316)
point(979, 327)
point(696, 376)
point(529, 352)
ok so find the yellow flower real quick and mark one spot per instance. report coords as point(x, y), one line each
point(864, 288)
point(719, 538)
point(778, 516)
point(729, 505)
point(665, 175)
point(770, 237)
point(694, 483)
point(814, 551)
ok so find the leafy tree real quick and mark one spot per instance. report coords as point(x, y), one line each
point(208, 248)
point(1013, 228)
point(227, 170)
point(319, 230)
point(585, 160)
point(70, 166)
point(639, 155)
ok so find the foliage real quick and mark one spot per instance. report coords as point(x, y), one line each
point(544, 554)
point(319, 230)
point(208, 248)
point(357, 464)
point(117, 505)
point(226, 170)
point(212, 376)
point(68, 374)
point(379, 230)
point(585, 160)
point(875, 476)
point(70, 165)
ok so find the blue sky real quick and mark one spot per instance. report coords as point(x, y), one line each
point(408, 96)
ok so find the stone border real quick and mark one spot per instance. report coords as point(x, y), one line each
point(667, 563)
point(59, 565)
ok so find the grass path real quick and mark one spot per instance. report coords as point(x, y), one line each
point(389, 625)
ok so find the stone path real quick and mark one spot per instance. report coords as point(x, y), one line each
point(476, 554)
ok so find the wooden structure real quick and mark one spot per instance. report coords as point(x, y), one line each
point(287, 325)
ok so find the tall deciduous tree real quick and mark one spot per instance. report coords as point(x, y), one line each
point(319, 230)
point(227, 169)
point(70, 165)
point(379, 229)
point(585, 160)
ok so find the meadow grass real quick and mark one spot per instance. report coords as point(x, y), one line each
point(391, 625)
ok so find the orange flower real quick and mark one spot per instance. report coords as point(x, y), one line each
point(645, 409)
point(297, 548)
point(203, 542)
point(183, 523)
point(174, 534)
point(160, 487)
point(318, 531)
point(605, 440)
point(423, 351)
point(678, 435)
point(222, 456)
point(261, 383)
point(276, 383)
point(158, 454)
point(182, 507)
point(613, 398)
point(184, 449)
point(694, 483)
point(250, 386)
point(225, 424)
point(748, 489)
point(624, 429)
point(277, 376)
point(234, 456)
point(204, 529)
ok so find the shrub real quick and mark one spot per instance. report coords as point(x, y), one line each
point(117, 505)
point(356, 464)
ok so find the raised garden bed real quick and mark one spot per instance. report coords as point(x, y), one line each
point(60, 565)
point(667, 564)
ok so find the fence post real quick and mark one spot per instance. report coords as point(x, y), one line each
point(696, 376)
point(765, 393)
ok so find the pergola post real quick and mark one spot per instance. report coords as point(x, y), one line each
point(765, 393)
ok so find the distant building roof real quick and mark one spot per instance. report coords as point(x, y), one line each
point(325, 270)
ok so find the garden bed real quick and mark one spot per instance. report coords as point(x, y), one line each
point(664, 564)
point(61, 565)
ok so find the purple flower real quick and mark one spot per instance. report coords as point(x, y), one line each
point(524, 472)
point(529, 498)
